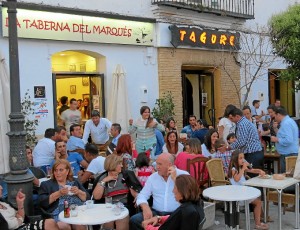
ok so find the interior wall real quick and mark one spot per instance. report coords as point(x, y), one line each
point(194, 79)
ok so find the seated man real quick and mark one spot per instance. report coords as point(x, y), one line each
point(160, 185)
point(75, 149)
point(96, 163)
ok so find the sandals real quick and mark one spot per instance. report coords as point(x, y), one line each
point(262, 226)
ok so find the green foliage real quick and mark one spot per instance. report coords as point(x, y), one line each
point(164, 107)
point(30, 124)
point(285, 37)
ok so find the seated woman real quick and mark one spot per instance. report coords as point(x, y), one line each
point(124, 150)
point(193, 150)
point(208, 147)
point(189, 215)
point(59, 188)
point(11, 218)
point(172, 145)
point(111, 183)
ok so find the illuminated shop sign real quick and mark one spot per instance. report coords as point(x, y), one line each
point(204, 38)
point(68, 27)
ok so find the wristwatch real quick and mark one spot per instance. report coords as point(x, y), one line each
point(102, 183)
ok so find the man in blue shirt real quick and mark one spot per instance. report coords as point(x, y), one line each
point(189, 129)
point(247, 139)
point(286, 140)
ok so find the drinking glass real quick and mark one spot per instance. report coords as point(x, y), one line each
point(74, 210)
point(89, 204)
point(108, 202)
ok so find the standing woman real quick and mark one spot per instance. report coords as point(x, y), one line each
point(208, 147)
point(172, 145)
point(85, 109)
point(226, 126)
point(145, 131)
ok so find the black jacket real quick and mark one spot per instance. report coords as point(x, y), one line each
point(187, 216)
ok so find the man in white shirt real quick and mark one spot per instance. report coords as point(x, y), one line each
point(98, 128)
point(44, 151)
point(160, 185)
point(96, 163)
point(71, 116)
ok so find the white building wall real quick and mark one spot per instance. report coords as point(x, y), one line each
point(35, 70)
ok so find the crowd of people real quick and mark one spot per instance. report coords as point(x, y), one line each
point(164, 194)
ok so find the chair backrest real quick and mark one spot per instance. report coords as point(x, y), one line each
point(37, 172)
point(290, 162)
point(216, 172)
point(197, 168)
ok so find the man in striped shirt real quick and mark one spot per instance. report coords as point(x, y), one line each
point(247, 139)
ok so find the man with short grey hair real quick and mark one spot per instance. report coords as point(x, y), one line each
point(160, 185)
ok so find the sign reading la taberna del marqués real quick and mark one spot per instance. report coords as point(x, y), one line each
point(204, 38)
point(68, 27)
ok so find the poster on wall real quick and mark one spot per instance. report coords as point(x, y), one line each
point(41, 110)
point(39, 91)
point(96, 104)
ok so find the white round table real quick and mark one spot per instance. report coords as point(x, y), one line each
point(99, 214)
point(233, 193)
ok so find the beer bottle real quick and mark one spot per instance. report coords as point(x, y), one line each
point(66, 209)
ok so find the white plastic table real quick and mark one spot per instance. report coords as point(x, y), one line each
point(233, 193)
point(99, 214)
point(278, 185)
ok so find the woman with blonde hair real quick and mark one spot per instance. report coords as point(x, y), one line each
point(59, 188)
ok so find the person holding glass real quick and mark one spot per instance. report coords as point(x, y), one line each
point(59, 188)
point(111, 184)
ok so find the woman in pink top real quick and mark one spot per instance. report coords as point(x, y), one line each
point(193, 150)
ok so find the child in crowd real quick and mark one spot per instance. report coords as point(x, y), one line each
point(237, 168)
point(143, 170)
point(231, 138)
point(223, 153)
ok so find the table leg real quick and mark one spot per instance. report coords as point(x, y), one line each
point(265, 204)
point(238, 214)
point(297, 206)
point(279, 206)
point(90, 227)
point(230, 211)
point(247, 213)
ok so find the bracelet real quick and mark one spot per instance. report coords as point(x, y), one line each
point(102, 184)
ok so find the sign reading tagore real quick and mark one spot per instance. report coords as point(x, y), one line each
point(69, 27)
point(204, 38)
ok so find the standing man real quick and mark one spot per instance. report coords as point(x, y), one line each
point(160, 185)
point(44, 151)
point(247, 139)
point(191, 128)
point(286, 140)
point(64, 104)
point(277, 103)
point(71, 116)
point(98, 128)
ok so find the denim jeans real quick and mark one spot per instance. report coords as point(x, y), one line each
point(282, 160)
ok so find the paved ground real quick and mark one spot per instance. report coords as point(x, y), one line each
point(288, 220)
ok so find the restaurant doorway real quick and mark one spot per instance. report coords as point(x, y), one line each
point(87, 88)
point(76, 75)
point(282, 90)
point(198, 95)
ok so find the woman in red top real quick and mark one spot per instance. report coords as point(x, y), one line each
point(193, 150)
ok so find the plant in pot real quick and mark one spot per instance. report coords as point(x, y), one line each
point(164, 107)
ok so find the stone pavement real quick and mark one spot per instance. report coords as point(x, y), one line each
point(288, 220)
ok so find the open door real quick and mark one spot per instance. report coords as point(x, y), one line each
point(89, 88)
